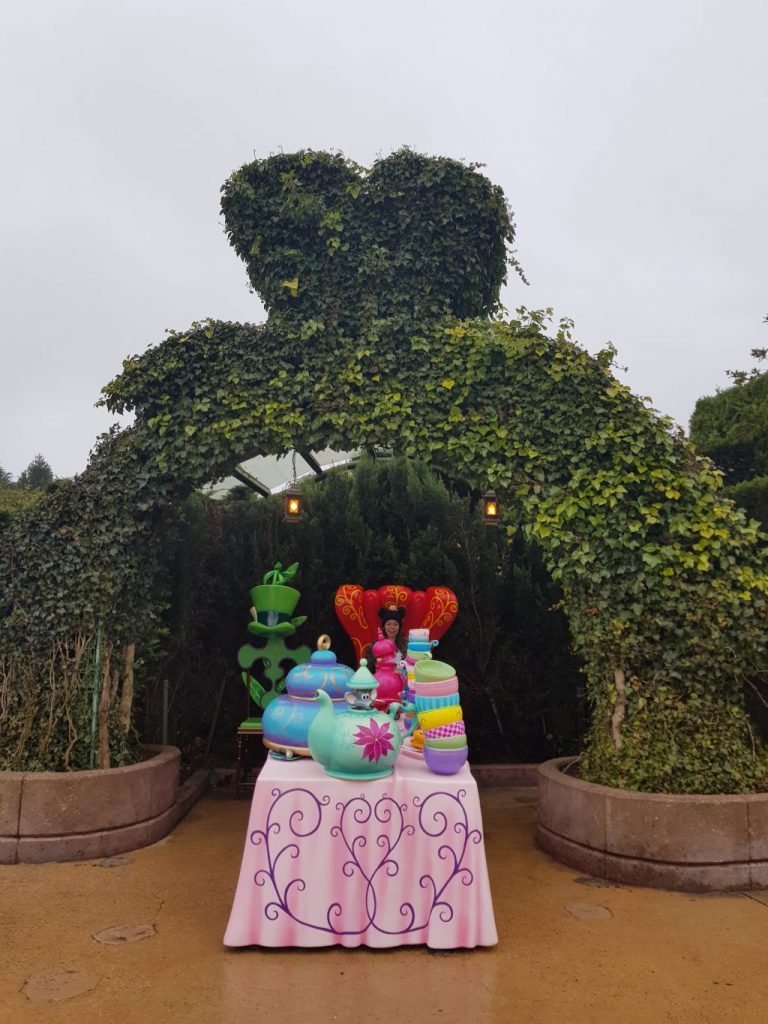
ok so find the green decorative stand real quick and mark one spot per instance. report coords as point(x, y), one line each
point(273, 622)
point(273, 654)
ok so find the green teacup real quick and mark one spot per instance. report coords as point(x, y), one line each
point(432, 671)
point(446, 742)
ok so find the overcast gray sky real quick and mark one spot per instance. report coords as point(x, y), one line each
point(631, 141)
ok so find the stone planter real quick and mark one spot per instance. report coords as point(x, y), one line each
point(61, 816)
point(689, 843)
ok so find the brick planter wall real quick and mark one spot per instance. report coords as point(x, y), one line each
point(689, 843)
point(62, 816)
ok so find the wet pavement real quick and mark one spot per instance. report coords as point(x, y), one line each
point(138, 938)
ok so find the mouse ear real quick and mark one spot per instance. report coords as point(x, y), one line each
point(442, 234)
point(285, 217)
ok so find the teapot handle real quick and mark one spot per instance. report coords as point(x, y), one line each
point(406, 707)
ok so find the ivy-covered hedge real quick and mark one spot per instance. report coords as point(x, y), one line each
point(665, 582)
point(77, 596)
point(330, 245)
point(14, 501)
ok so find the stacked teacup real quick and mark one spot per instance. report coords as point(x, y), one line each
point(440, 716)
point(419, 649)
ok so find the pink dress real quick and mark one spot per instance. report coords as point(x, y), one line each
point(389, 679)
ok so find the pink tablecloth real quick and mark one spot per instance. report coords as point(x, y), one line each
point(384, 863)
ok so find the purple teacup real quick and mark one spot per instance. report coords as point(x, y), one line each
point(445, 762)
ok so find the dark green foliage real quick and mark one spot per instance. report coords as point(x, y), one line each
point(752, 496)
point(732, 429)
point(37, 475)
point(389, 521)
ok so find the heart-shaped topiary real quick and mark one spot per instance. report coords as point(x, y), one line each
point(324, 239)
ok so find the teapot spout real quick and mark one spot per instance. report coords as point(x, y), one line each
point(321, 731)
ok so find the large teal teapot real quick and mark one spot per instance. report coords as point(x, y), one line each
point(361, 742)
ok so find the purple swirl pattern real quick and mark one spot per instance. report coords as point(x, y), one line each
point(295, 815)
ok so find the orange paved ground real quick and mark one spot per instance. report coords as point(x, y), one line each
point(569, 951)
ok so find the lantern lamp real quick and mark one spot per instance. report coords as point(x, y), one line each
point(294, 505)
point(490, 509)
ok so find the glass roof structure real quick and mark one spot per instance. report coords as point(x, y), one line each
point(267, 474)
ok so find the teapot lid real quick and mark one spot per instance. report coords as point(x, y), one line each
point(322, 658)
point(323, 655)
point(362, 679)
point(384, 646)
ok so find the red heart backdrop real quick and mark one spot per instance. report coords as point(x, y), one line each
point(357, 610)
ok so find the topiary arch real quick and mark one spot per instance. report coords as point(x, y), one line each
point(382, 290)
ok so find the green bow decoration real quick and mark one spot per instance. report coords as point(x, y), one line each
point(279, 577)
